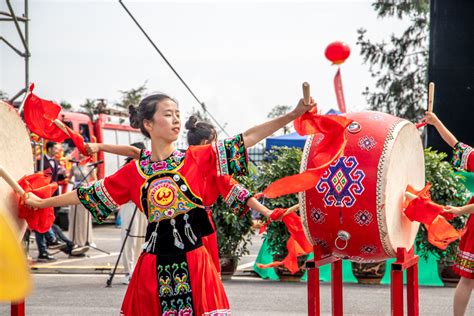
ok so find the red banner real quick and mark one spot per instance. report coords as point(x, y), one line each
point(339, 91)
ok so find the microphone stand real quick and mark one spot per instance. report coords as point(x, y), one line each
point(84, 177)
point(127, 234)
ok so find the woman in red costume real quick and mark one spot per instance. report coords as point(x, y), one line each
point(175, 274)
point(199, 133)
point(463, 158)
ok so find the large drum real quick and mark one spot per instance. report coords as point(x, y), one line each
point(356, 209)
point(15, 157)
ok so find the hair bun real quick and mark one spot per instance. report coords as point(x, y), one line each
point(134, 122)
point(191, 123)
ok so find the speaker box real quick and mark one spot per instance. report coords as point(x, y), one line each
point(451, 68)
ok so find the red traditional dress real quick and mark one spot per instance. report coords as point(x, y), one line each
point(463, 157)
point(175, 274)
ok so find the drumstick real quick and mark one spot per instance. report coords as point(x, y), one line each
point(431, 89)
point(61, 126)
point(8, 178)
point(410, 195)
point(292, 209)
point(306, 94)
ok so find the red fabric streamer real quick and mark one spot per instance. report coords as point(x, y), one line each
point(331, 147)
point(422, 209)
point(441, 233)
point(341, 103)
point(40, 115)
point(39, 220)
point(297, 244)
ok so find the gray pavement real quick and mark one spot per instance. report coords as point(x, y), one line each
point(77, 287)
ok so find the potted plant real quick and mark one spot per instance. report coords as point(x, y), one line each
point(281, 162)
point(447, 189)
point(233, 232)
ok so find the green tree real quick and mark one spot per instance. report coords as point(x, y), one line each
point(89, 107)
point(280, 110)
point(399, 66)
point(65, 105)
point(201, 115)
point(131, 96)
point(3, 95)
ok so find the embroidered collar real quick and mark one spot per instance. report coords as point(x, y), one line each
point(149, 167)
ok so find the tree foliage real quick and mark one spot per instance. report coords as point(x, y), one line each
point(282, 162)
point(132, 96)
point(65, 105)
point(399, 65)
point(3, 95)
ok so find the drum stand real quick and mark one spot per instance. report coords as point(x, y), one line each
point(405, 260)
point(314, 301)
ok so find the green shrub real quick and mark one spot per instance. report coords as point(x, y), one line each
point(281, 162)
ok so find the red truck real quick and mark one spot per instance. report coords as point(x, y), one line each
point(104, 128)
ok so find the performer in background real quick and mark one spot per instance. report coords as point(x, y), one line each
point(80, 222)
point(169, 186)
point(463, 158)
point(134, 244)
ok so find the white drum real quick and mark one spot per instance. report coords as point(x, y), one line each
point(15, 157)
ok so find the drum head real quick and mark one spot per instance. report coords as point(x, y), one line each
point(15, 157)
point(405, 166)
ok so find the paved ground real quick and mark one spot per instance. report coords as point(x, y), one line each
point(77, 287)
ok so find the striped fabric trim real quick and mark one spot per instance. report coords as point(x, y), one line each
point(104, 195)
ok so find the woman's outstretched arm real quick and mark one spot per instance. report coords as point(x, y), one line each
point(443, 131)
point(121, 150)
point(66, 199)
point(255, 134)
point(253, 203)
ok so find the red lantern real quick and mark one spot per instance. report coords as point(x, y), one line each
point(337, 52)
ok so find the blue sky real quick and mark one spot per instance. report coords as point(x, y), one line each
point(240, 58)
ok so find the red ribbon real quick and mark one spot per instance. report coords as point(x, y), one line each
point(39, 220)
point(331, 147)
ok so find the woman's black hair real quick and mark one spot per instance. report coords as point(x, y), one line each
point(199, 131)
point(145, 111)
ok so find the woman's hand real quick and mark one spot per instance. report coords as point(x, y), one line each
point(267, 213)
point(302, 108)
point(430, 118)
point(454, 210)
point(33, 200)
point(92, 148)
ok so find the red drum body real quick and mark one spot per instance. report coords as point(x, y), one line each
point(356, 210)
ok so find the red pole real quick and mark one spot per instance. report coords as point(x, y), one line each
point(412, 291)
point(313, 291)
point(18, 309)
point(336, 288)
